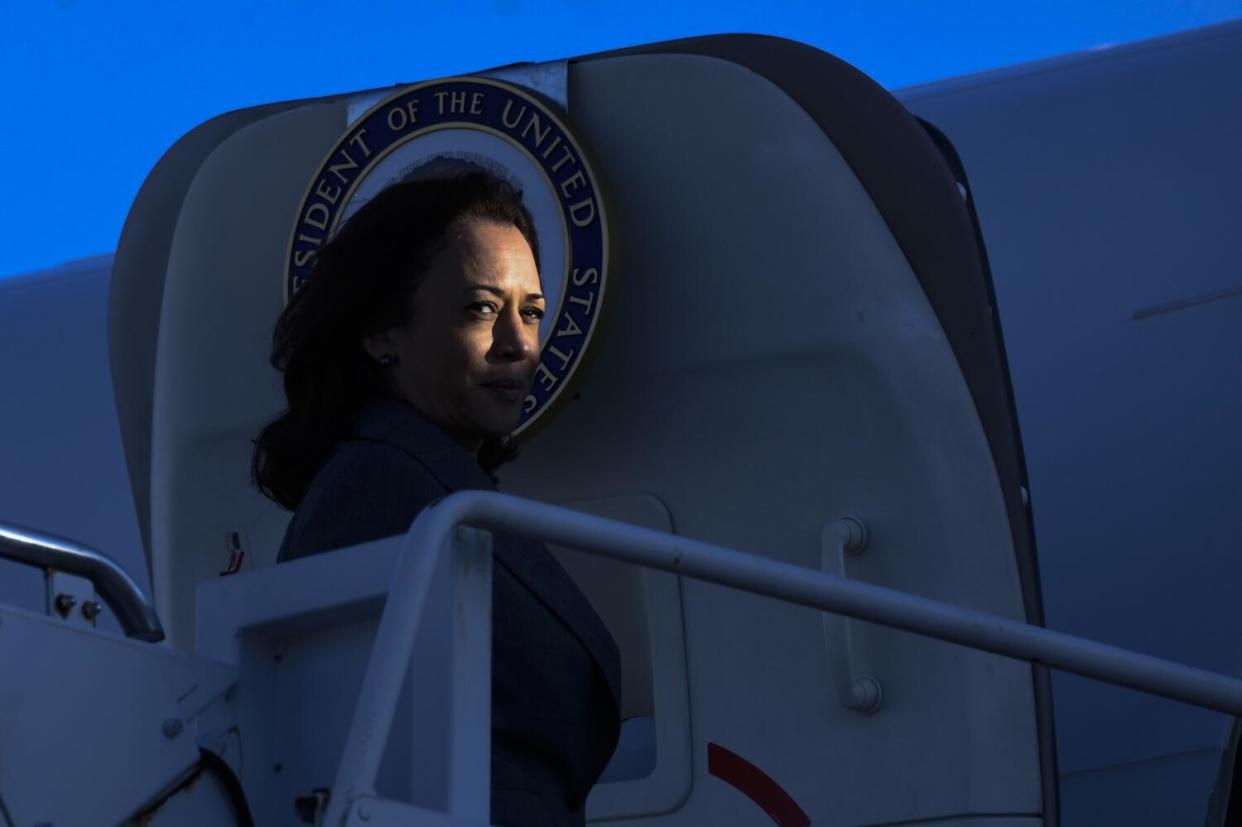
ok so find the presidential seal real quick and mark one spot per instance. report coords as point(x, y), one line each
point(514, 134)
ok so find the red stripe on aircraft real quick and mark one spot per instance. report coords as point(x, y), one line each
point(756, 785)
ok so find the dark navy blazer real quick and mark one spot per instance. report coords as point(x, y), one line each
point(556, 671)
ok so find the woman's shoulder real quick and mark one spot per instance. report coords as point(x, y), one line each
point(365, 463)
point(366, 490)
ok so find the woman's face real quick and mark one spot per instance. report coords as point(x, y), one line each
point(467, 356)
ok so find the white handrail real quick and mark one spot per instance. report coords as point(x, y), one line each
point(134, 612)
point(438, 525)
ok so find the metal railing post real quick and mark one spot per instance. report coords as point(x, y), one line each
point(470, 689)
point(433, 534)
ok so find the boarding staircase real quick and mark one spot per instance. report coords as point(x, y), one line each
point(460, 527)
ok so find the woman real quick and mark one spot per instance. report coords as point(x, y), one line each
point(406, 357)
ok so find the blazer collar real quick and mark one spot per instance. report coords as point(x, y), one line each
point(403, 426)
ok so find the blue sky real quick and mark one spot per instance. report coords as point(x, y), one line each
point(95, 91)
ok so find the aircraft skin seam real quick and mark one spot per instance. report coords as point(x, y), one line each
point(1183, 304)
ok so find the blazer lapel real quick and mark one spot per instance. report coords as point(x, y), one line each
point(532, 563)
point(400, 425)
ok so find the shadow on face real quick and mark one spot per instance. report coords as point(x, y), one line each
point(467, 356)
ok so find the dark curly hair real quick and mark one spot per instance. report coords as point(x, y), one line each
point(361, 284)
